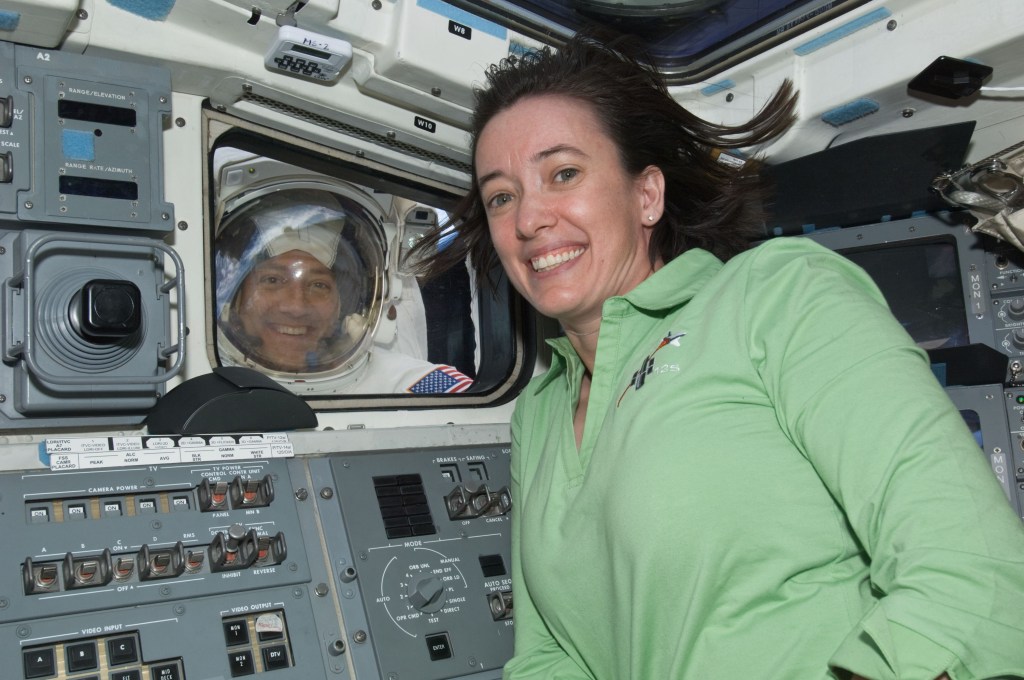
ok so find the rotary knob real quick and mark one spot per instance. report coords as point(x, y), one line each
point(1017, 338)
point(426, 594)
point(1015, 309)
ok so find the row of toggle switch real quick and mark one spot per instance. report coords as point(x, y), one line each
point(238, 549)
point(463, 503)
point(242, 493)
point(237, 494)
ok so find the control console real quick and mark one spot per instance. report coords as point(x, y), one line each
point(369, 564)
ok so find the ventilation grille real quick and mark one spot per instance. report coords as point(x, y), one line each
point(403, 506)
point(358, 133)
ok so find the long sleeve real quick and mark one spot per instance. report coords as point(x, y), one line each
point(859, 400)
point(537, 653)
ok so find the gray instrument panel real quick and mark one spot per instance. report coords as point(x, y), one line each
point(388, 564)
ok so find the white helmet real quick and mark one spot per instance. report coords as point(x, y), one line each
point(301, 276)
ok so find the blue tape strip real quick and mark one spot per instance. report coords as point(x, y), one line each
point(463, 17)
point(843, 31)
point(44, 457)
point(715, 88)
point(9, 20)
point(154, 10)
point(78, 145)
point(849, 112)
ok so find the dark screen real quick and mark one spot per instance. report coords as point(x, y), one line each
point(302, 49)
point(96, 113)
point(922, 284)
point(974, 425)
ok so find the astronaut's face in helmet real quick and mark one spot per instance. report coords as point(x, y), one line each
point(289, 305)
point(299, 278)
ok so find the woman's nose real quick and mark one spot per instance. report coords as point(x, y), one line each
point(534, 213)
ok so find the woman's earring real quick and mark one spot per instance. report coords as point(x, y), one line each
point(650, 218)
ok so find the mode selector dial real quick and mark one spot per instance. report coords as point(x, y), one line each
point(427, 594)
point(1017, 338)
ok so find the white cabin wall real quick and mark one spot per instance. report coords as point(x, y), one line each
point(877, 62)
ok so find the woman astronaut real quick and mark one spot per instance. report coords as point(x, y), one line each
point(301, 280)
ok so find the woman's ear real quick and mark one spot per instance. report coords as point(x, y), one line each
point(652, 195)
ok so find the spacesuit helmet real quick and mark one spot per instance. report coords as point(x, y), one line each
point(300, 276)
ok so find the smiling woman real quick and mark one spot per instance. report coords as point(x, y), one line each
point(709, 481)
point(570, 225)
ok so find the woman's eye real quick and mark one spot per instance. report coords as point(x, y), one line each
point(566, 174)
point(499, 200)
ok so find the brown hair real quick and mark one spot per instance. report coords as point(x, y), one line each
point(708, 204)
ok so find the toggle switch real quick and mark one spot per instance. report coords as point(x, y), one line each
point(157, 564)
point(40, 578)
point(237, 549)
point(87, 572)
point(271, 549)
point(212, 496)
point(252, 493)
point(6, 111)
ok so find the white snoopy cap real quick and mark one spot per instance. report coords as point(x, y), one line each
point(318, 241)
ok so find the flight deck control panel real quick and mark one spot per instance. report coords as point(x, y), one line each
point(384, 564)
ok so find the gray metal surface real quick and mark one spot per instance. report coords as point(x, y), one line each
point(325, 591)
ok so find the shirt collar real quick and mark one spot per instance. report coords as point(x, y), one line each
point(676, 282)
point(672, 285)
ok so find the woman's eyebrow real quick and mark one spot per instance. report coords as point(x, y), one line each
point(536, 158)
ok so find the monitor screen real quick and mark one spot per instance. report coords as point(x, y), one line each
point(922, 284)
point(973, 422)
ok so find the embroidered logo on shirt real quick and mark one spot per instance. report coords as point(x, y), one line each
point(647, 367)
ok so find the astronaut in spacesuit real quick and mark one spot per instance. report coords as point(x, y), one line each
point(301, 281)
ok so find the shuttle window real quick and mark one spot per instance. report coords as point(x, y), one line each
point(689, 40)
point(308, 286)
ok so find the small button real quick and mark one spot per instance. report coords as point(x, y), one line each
point(268, 635)
point(170, 671)
point(147, 506)
point(439, 647)
point(75, 511)
point(112, 509)
point(241, 663)
point(121, 650)
point(275, 657)
point(39, 515)
point(180, 503)
point(39, 663)
point(126, 675)
point(81, 656)
point(236, 632)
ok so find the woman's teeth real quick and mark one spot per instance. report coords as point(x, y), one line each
point(546, 262)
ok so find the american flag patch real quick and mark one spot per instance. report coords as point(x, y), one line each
point(442, 379)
